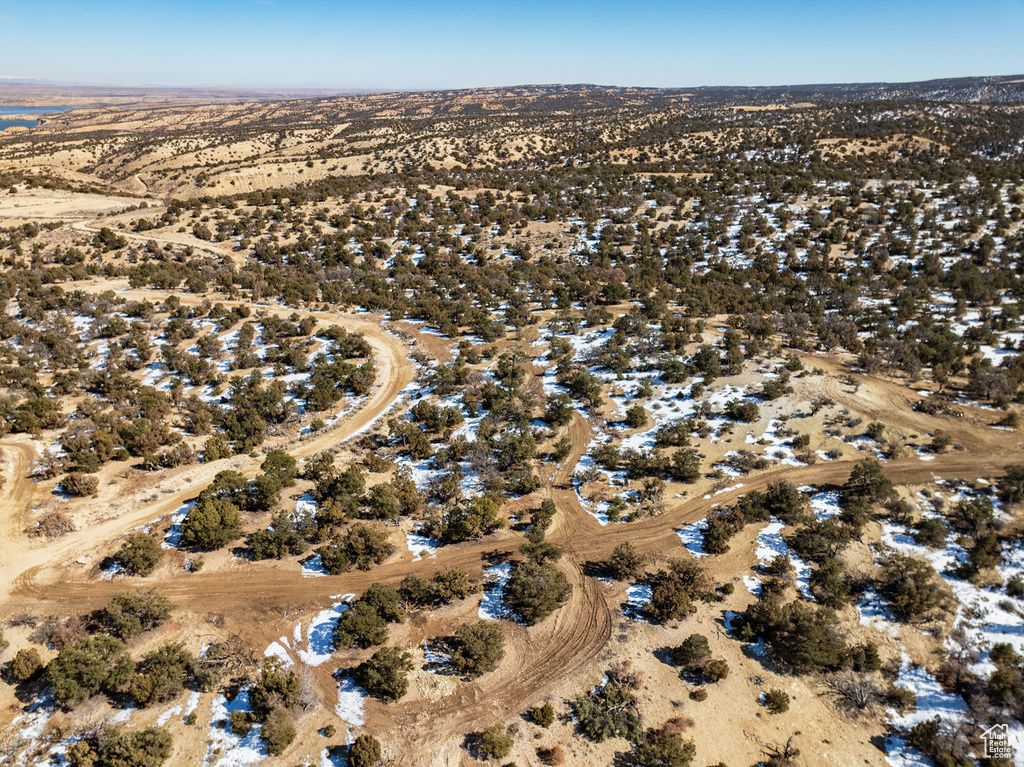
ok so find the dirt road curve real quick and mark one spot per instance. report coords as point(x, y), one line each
point(180, 240)
point(536, 658)
point(20, 565)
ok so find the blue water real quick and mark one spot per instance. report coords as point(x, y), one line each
point(29, 110)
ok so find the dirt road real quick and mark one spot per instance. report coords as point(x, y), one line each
point(20, 564)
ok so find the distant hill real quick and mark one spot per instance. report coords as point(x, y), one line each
point(527, 99)
point(1004, 89)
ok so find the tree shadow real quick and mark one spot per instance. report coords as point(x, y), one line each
point(496, 556)
point(664, 654)
point(593, 569)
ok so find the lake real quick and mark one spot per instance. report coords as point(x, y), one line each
point(27, 110)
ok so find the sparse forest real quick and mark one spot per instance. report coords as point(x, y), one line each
point(534, 425)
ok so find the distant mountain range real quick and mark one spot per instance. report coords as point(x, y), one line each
point(528, 98)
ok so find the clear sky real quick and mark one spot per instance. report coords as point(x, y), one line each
point(456, 43)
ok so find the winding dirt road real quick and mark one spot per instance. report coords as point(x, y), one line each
point(537, 658)
point(21, 565)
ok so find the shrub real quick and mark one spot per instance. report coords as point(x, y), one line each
point(385, 600)
point(79, 484)
point(673, 591)
point(699, 694)
point(385, 674)
point(365, 752)
point(900, 698)
point(139, 554)
point(742, 411)
point(240, 723)
point(360, 626)
point(626, 562)
point(280, 466)
point(544, 715)
point(162, 674)
point(865, 657)
point(772, 390)
point(477, 648)
point(26, 665)
point(1015, 586)
point(495, 742)
point(278, 731)
point(474, 518)
point(53, 525)
point(58, 633)
point(776, 701)
point(535, 590)
point(868, 481)
point(608, 712)
point(453, 584)
point(715, 670)
point(211, 523)
point(552, 756)
point(804, 638)
point(361, 546)
point(829, 586)
point(782, 499)
point(277, 688)
point(1010, 486)
point(636, 417)
point(692, 653)
point(930, 532)
point(910, 586)
point(283, 540)
point(416, 591)
point(127, 615)
point(116, 747)
point(94, 665)
point(663, 747)
point(541, 518)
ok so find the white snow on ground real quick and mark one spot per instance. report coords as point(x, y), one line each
point(318, 645)
point(932, 701)
point(313, 568)
point(753, 584)
point(825, 504)
point(492, 606)
point(191, 703)
point(692, 537)
point(987, 615)
point(305, 508)
point(729, 617)
point(31, 724)
point(114, 569)
point(874, 613)
point(224, 748)
point(335, 759)
point(320, 634)
point(123, 715)
point(421, 545)
point(726, 469)
point(776, 447)
point(433, 659)
point(771, 545)
point(737, 486)
point(276, 650)
point(980, 611)
point(597, 509)
point(638, 596)
point(172, 539)
point(166, 715)
point(351, 705)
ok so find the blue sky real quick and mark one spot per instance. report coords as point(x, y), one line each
point(403, 44)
